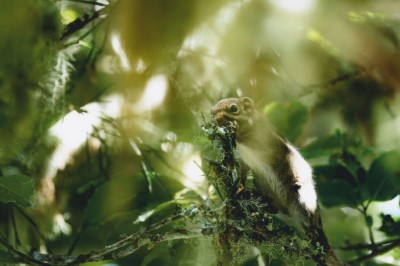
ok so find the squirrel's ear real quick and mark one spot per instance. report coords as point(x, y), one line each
point(247, 103)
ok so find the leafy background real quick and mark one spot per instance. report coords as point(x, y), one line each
point(102, 102)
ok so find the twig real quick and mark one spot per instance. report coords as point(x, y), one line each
point(333, 82)
point(156, 239)
point(376, 252)
point(363, 211)
point(368, 246)
point(81, 37)
point(81, 22)
point(134, 242)
point(14, 224)
point(30, 221)
point(19, 256)
point(95, 3)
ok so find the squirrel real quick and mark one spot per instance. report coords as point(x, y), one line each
point(280, 173)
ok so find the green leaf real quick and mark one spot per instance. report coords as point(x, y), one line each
point(334, 143)
point(321, 146)
point(289, 118)
point(383, 178)
point(336, 193)
point(17, 189)
point(333, 186)
point(328, 173)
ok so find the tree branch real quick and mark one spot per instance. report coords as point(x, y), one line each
point(122, 248)
point(18, 256)
point(368, 246)
point(376, 252)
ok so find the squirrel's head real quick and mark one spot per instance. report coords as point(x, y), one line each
point(238, 111)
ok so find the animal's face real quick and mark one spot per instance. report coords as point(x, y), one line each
point(234, 110)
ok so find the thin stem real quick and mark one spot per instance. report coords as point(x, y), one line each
point(75, 242)
point(81, 22)
point(363, 211)
point(368, 246)
point(87, 2)
point(84, 35)
point(376, 252)
point(370, 233)
point(19, 256)
point(14, 224)
point(155, 239)
point(30, 221)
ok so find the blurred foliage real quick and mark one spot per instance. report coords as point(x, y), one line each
point(102, 105)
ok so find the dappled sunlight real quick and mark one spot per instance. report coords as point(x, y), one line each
point(72, 131)
point(390, 207)
point(153, 94)
point(294, 6)
point(194, 176)
point(75, 128)
point(60, 226)
point(116, 44)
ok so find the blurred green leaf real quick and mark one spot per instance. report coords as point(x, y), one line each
point(327, 146)
point(354, 166)
point(157, 255)
point(336, 193)
point(289, 118)
point(6, 257)
point(322, 42)
point(333, 186)
point(198, 251)
point(327, 173)
point(321, 146)
point(383, 178)
point(17, 189)
point(127, 197)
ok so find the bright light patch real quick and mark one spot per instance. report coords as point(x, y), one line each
point(68, 15)
point(60, 225)
point(135, 147)
point(140, 66)
point(116, 45)
point(154, 94)
point(390, 207)
point(73, 130)
point(192, 170)
point(143, 217)
point(294, 6)
point(194, 178)
point(227, 14)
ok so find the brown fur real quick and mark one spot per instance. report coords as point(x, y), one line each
point(259, 138)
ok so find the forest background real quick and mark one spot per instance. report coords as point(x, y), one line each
point(104, 150)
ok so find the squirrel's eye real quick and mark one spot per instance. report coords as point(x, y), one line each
point(234, 109)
